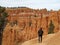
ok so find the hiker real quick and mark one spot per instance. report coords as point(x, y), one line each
point(40, 34)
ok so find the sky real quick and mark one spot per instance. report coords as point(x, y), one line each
point(35, 4)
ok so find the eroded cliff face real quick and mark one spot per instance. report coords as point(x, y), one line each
point(28, 22)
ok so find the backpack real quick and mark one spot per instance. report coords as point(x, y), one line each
point(40, 32)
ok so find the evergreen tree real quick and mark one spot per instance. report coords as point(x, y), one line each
point(51, 27)
point(3, 21)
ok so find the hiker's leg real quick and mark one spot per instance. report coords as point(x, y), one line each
point(41, 38)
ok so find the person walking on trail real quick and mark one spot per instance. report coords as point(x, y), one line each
point(40, 34)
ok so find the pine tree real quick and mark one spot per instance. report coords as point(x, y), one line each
point(3, 21)
point(51, 27)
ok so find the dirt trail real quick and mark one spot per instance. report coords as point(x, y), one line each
point(35, 41)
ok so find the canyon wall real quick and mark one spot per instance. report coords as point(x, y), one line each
point(24, 24)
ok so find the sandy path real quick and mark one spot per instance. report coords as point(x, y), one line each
point(35, 41)
point(55, 40)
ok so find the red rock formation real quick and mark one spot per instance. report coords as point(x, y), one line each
point(26, 15)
